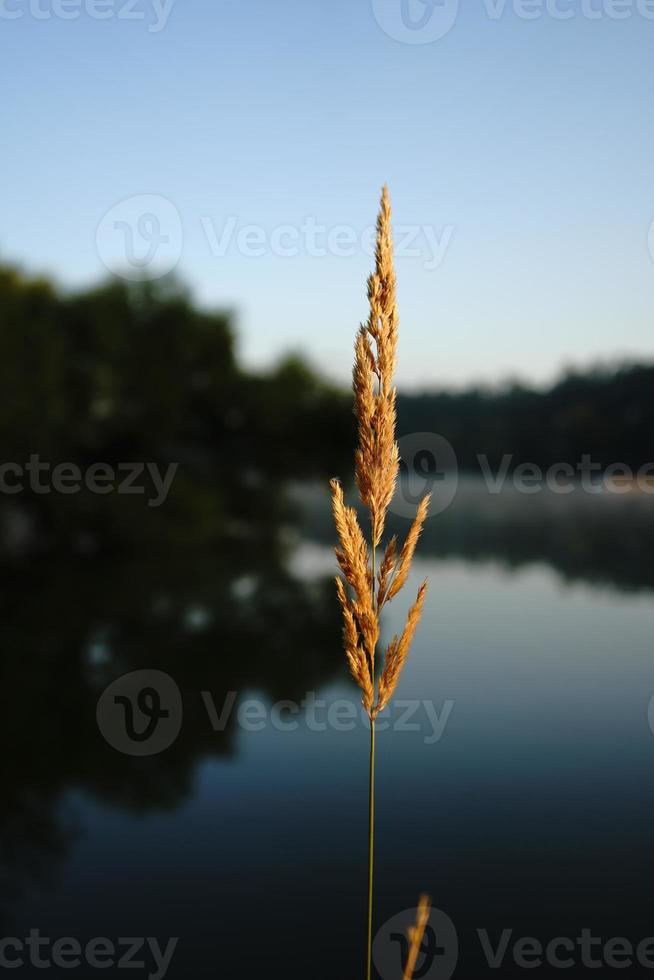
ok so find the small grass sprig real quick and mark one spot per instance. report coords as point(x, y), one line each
point(416, 933)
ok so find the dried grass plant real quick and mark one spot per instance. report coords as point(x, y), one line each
point(365, 588)
point(416, 933)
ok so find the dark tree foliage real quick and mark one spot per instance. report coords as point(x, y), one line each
point(607, 413)
point(133, 372)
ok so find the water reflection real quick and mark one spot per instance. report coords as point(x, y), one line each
point(274, 812)
point(223, 623)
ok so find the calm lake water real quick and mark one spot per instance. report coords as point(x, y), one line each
point(515, 780)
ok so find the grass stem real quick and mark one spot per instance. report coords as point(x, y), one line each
point(371, 845)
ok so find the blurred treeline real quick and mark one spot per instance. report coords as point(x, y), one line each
point(607, 412)
point(133, 372)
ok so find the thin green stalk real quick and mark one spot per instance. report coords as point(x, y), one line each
point(371, 790)
point(371, 845)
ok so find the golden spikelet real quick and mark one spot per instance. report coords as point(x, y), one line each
point(416, 933)
point(352, 556)
point(376, 470)
point(389, 562)
point(406, 555)
point(353, 552)
point(377, 457)
point(359, 664)
point(397, 652)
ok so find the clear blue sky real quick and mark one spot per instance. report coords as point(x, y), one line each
point(525, 146)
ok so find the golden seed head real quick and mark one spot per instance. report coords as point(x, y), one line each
point(377, 463)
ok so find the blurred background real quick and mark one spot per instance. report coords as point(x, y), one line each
point(188, 201)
